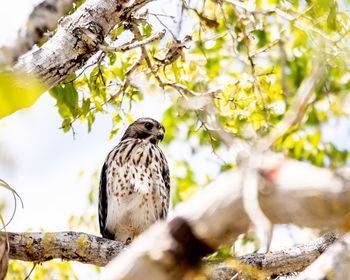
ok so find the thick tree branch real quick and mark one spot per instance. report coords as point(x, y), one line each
point(333, 264)
point(66, 245)
point(43, 18)
point(77, 39)
point(280, 262)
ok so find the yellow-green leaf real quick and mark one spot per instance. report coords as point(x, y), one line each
point(18, 92)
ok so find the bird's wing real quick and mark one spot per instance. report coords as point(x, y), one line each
point(103, 204)
point(166, 190)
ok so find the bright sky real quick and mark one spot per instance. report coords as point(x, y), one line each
point(42, 163)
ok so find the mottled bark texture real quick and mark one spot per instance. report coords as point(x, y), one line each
point(333, 264)
point(68, 245)
point(76, 39)
point(43, 18)
point(187, 250)
point(280, 262)
point(4, 257)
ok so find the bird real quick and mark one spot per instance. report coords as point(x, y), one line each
point(134, 188)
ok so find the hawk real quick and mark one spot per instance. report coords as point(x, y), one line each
point(134, 185)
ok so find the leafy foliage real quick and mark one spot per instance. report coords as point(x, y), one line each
point(248, 58)
point(17, 91)
point(49, 270)
point(252, 58)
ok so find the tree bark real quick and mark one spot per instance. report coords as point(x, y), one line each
point(43, 18)
point(333, 264)
point(67, 245)
point(90, 249)
point(4, 257)
point(76, 39)
point(280, 262)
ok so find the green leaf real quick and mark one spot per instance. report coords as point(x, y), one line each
point(18, 91)
point(112, 58)
point(86, 106)
point(66, 124)
point(331, 19)
point(71, 95)
point(146, 30)
point(117, 31)
point(129, 117)
point(91, 119)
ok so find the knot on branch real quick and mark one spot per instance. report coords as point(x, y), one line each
point(89, 36)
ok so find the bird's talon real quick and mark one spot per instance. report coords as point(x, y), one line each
point(128, 241)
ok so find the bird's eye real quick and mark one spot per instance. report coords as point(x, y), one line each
point(148, 125)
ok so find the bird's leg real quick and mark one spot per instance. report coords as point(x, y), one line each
point(128, 241)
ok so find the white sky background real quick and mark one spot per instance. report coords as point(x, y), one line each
point(44, 162)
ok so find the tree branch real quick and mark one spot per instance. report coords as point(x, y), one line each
point(280, 262)
point(333, 264)
point(43, 17)
point(77, 39)
point(124, 48)
point(66, 245)
point(90, 249)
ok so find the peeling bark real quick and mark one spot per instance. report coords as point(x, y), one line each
point(76, 39)
point(43, 18)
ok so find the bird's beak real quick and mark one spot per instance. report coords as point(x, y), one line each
point(160, 136)
point(159, 133)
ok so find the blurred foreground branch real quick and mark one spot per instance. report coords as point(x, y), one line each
point(289, 192)
point(43, 18)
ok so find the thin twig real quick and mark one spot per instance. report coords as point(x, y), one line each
point(166, 27)
point(212, 140)
point(252, 65)
point(144, 42)
point(15, 194)
point(264, 48)
point(297, 109)
point(30, 272)
point(127, 76)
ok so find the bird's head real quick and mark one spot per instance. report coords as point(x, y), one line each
point(145, 128)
